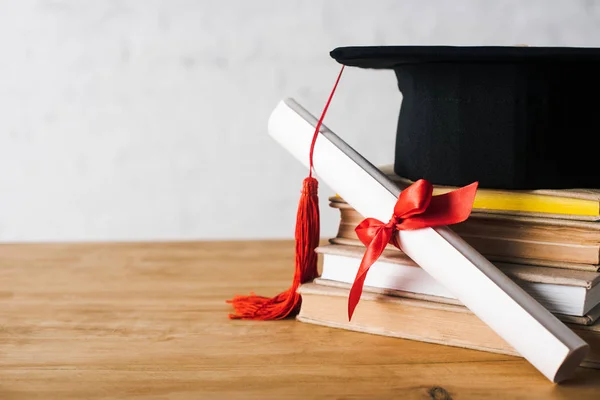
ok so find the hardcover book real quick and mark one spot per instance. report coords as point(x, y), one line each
point(417, 319)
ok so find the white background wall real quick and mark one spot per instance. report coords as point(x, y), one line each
point(146, 120)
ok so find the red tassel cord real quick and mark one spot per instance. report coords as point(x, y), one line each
point(307, 238)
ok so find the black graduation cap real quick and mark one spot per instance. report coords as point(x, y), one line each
point(508, 117)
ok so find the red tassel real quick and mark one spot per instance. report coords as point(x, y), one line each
point(307, 240)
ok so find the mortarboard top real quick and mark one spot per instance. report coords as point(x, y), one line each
point(507, 117)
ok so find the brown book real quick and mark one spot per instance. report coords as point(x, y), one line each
point(517, 239)
point(416, 319)
point(590, 318)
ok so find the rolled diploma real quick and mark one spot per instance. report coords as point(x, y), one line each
point(549, 345)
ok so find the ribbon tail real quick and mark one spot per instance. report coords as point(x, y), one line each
point(374, 250)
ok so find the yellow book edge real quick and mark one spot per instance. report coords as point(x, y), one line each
point(529, 203)
point(520, 202)
point(523, 202)
point(487, 199)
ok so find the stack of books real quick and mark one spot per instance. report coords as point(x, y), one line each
point(547, 241)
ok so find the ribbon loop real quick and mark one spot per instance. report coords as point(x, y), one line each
point(416, 208)
point(414, 200)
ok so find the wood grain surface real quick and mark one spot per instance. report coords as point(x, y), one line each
point(149, 321)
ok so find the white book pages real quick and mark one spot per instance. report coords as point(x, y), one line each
point(560, 299)
point(533, 331)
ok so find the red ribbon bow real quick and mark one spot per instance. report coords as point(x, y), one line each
point(416, 208)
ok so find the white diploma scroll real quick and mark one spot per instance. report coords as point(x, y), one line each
point(521, 321)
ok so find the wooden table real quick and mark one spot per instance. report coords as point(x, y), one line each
point(149, 321)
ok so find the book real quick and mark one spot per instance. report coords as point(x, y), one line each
point(559, 291)
point(417, 319)
point(589, 318)
point(518, 239)
point(582, 204)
